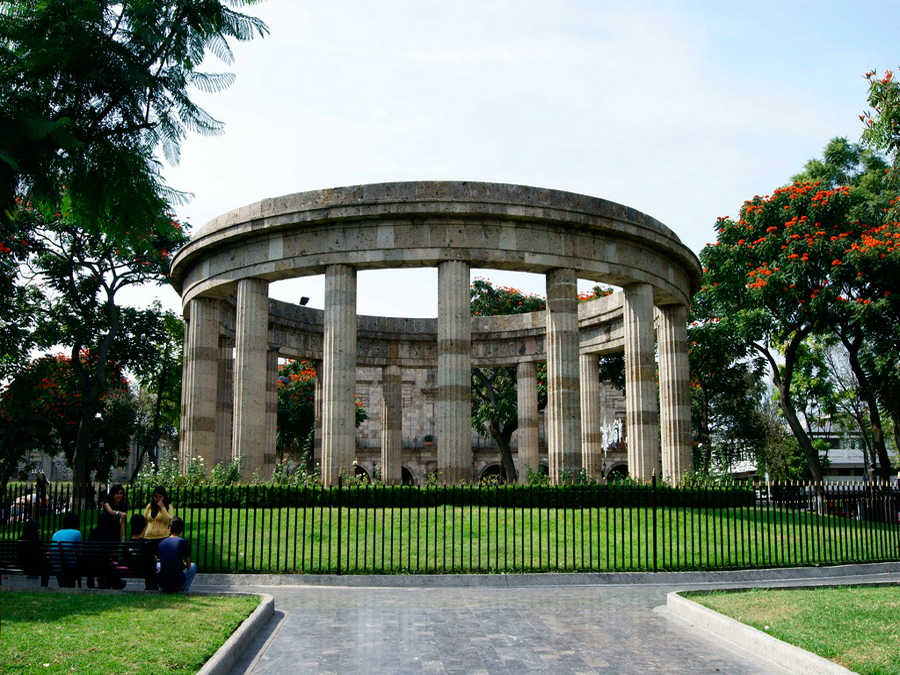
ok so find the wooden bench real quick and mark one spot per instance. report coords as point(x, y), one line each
point(110, 562)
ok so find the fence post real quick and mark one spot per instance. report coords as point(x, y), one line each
point(653, 504)
point(339, 510)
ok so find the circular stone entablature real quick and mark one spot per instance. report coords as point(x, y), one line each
point(423, 223)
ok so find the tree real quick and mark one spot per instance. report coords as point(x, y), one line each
point(867, 332)
point(42, 410)
point(79, 276)
point(159, 374)
point(297, 412)
point(494, 397)
point(726, 382)
point(89, 92)
point(796, 265)
point(882, 128)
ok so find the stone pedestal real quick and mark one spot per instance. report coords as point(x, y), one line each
point(250, 366)
point(674, 392)
point(641, 408)
point(527, 433)
point(591, 416)
point(200, 382)
point(339, 374)
point(454, 376)
point(563, 412)
point(391, 425)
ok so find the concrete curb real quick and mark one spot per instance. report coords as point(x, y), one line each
point(546, 578)
point(229, 653)
point(760, 644)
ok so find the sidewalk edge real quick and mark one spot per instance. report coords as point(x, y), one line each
point(749, 639)
point(227, 655)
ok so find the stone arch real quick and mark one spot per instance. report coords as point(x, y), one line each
point(453, 226)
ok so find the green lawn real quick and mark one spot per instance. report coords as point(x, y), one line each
point(72, 632)
point(856, 627)
point(521, 539)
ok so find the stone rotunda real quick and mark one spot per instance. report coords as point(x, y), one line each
point(235, 334)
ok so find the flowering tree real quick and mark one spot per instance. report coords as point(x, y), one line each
point(796, 264)
point(41, 410)
point(297, 411)
point(78, 277)
point(883, 125)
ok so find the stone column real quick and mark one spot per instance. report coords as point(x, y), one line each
point(391, 425)
point(563, 412)
point(674, 392)
point(641, 408)
point(339, 373)
point(200, 382)
point(454, 385)
point(527, 433)
point(270, 453)
point(250, 365)
point(225, 402)
point(319, 397)
point(591, 416)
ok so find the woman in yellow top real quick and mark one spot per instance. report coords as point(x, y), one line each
point(159, 513)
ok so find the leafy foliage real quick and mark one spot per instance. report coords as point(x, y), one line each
point(42, 410)
point(89, 91)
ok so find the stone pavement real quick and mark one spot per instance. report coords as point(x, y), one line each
point(440, 627)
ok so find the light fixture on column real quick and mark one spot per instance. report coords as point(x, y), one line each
point(304, 300)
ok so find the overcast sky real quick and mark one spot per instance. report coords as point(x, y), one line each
point(681, 110)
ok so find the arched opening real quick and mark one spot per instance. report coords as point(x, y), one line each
point(493, 474)
point(618, 472)
point(361, 474)
point(406, 477)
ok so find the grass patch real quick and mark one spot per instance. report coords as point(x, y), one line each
point(452, 539)
point(854, 626)
point(62, 632)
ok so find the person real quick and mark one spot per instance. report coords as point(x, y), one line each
point(41, 486)
point(176, 571)
point(159, 513)
point(32, 557)
point(137, 553)
point(113, 512)
point(65, 543)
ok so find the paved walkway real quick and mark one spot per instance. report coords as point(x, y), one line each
point(531, 628)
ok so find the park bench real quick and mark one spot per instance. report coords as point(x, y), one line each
point(109, 560)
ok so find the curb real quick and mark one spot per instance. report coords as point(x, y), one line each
point(545, 578)
point(229, 653)
point(746, 638)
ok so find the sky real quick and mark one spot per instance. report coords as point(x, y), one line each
point(679, 109)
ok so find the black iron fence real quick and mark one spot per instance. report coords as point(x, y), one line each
point(363, 529)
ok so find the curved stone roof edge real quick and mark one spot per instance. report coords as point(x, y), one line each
point(411, 192)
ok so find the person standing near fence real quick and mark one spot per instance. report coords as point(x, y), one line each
point(113, 513)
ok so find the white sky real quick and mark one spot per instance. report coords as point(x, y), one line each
point(681, 110)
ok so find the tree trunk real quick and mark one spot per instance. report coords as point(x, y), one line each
point(502, 437)
point(867, 393)
point(781, 378)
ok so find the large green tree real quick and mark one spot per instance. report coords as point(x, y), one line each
point(90, 90)
point(79, 277)
point(795, 265)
